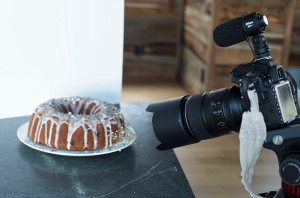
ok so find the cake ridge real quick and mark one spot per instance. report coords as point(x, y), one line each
point(95, 114)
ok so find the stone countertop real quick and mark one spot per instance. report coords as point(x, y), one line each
point(137, 171)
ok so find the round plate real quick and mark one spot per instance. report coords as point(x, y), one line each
point(126, 141)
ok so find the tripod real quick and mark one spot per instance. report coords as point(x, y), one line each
point(285, 142)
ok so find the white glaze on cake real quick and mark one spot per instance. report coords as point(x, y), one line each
point(55, 111)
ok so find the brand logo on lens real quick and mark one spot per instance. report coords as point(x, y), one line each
point(249, 24)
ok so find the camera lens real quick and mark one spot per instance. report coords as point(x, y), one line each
point(190, 119)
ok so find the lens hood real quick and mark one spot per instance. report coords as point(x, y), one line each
point(169, 125)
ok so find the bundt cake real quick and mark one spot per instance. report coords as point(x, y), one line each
point(76, 123)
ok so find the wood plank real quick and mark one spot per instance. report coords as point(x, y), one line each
point(156, 19)
point(153, 7)
point(199, 35)
point(148, 40)
point(150, 32)
point(194, 12)
point(194, 69)
point(150, 90)
point(196, 46)
point(190, 86)
point(179, 36)
point(222, 76)
point(294, 58)
point(162, 3)
point(297, 4)
point(236, 55)
point(192, 60)
point(131, 58)
point(209, 76)
point(204, 6)
point(197, 25)
point(295, 49)
point(149, 7)
point(168, 49)
point(288, 34)
point(296, 23)
point(146, 70)
point(276, 10)
point(232, 56)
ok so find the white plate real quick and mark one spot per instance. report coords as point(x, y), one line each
point(128, 139)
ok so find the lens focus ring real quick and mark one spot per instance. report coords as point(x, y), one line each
point(194, 117)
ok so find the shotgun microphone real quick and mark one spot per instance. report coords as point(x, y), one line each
point(236, 30)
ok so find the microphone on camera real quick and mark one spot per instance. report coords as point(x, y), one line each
point(236, 30)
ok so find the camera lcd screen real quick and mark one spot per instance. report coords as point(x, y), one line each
point(286, 101)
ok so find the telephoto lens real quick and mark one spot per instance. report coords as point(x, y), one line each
point(190, 119)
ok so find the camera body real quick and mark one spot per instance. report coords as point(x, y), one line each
point(276, 90)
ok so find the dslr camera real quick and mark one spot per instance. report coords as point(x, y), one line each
point(190, 119)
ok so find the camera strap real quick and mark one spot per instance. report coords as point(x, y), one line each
point(252, 135)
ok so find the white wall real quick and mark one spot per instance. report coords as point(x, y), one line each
point(57, 48)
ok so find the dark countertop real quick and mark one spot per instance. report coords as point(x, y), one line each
point(138, 171)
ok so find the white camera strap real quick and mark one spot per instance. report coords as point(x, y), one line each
point(252, 135)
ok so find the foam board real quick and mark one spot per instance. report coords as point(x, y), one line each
point(58, 48)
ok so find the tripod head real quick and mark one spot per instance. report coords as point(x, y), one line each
point(285, 142)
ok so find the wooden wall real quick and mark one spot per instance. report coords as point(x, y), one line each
point(197, 33)
point(206, 66)
point(152, 40)
point(295, 43)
